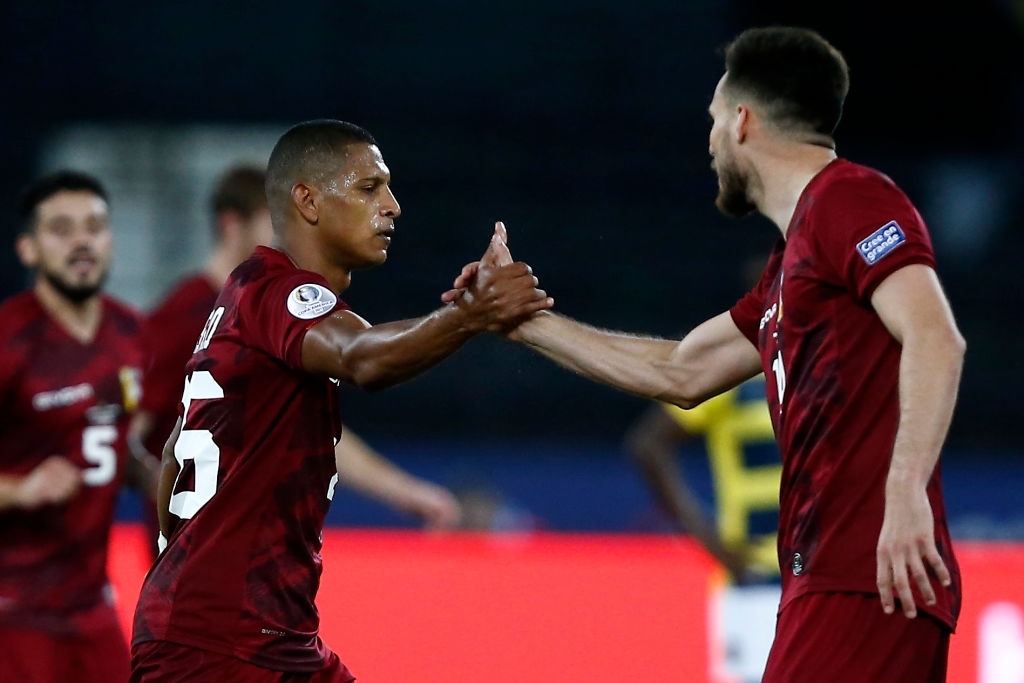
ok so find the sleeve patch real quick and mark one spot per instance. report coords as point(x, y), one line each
point(879, 243)
point(309, 301)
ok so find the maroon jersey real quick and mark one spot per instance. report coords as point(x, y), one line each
point(59, 396)
point(170, 334)
point(242, 567)
point(833, 374)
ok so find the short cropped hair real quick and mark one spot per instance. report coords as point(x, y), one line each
point(48, 185)
point(308, 152)
point(240, 189)
point(798, 75)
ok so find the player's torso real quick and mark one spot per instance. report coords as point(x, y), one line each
point(70, 399)
point(256, 454)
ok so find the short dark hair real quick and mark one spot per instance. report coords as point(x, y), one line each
point(308, 151)
point(44, 187)
point(240, 189)
point(797, 74)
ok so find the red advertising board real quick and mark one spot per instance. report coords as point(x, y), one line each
point(403, 606)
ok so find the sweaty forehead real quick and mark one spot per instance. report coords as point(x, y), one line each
point(362, 160)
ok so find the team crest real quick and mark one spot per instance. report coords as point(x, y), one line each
point(310, 301)
point(131, 387)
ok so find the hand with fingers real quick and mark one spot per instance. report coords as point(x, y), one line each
point(907, 556)
point(497, 292)
point(53, 482)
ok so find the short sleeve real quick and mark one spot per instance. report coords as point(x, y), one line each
point(873, 231)
point(747, 312)
point(277, 314)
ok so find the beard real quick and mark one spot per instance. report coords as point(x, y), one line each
point(76, 294)
point(733, 197)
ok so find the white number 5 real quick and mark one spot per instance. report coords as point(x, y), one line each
point(98, 450)
point(197, 445)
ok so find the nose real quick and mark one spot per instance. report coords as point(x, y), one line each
point(391, 207)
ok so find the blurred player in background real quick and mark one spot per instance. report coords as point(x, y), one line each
point(241, 222)
point(740, 443)
point(249, 470)
point(70, 362)
point(851, 327)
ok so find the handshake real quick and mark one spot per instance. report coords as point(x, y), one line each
point(496, 293)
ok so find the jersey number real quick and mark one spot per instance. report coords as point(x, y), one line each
point(779, 370)
point(197, 445)
point(98, 451)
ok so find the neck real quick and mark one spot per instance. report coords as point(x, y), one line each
point(785, 175)
point(306, 256)
point(81, 320)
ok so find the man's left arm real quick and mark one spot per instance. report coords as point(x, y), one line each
point(913, 307)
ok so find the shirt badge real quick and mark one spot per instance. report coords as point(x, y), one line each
point(310, 301)
point(879, 243)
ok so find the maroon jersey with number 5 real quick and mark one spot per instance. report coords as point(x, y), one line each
point(59, 396)
point(256, 452)
point(833, 379)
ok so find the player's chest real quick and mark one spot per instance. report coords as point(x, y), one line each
point(63, 379)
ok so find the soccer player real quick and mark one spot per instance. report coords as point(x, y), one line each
point(69, 368)
point(241, 222)
point(862, 356)
point(249, 468)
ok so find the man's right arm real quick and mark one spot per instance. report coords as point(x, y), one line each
point(712, 358)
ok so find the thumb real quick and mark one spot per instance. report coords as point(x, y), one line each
point(497, 253)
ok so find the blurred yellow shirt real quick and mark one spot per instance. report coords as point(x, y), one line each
point(730, 423)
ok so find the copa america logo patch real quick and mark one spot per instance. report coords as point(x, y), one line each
point(881, 242)
point(310, 301)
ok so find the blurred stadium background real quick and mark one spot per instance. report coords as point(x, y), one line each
point(582, 125)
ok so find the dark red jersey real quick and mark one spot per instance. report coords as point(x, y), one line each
point(59, 396)
point(833, 375)
point(242, 567)
point(170, 334)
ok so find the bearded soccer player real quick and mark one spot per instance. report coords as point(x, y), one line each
point(863, 358)
point(69, 367)
point(249, 469)
point(241, 222)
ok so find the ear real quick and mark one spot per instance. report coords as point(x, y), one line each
point(742, 122)
point(28, 250)
point(306, 201)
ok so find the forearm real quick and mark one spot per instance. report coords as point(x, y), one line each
point(930, 367)
point(635, 364)
point(383, 355)
point(710, 359)
point(168, 474)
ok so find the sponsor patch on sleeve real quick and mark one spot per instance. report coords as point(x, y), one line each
point(879, 243)
point(310, 301)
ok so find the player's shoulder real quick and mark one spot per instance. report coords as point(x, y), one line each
point(17, 312)
point(843, 178)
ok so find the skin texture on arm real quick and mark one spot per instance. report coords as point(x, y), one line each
point(712, 358)
point(363, 469)
point(348, 348)
point(652, 442)
point(914, 309)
